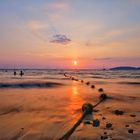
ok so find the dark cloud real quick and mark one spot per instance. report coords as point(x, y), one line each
point(61, 39)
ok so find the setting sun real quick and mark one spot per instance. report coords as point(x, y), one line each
point(75, 62)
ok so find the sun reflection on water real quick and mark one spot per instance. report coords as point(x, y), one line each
point(75, 90)
point(75, 102)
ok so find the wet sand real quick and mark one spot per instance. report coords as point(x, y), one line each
point(48, 112)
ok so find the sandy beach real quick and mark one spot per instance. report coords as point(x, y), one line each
point(41, 113)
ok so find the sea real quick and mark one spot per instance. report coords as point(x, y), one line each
point(128, 77)
point(46, 103)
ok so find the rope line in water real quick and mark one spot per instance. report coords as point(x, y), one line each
point(87, 110)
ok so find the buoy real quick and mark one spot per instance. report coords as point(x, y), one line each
point(96, 123)
point(87, 83)
point(100, 90)
point(103, 96)
point(119, 112)
point(87, 107)
point(72, 78)
point(103, 137)
point(92, 86)
point(130, 131)
point(132, 115)
point(108, 125)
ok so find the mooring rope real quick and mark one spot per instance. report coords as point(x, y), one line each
point(87, 109)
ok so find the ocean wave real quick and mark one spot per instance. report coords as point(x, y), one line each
point(38, 78)
point(97, 77)
point(135, 77)
point(30, 85)
point(101, 77)
point(130, 83)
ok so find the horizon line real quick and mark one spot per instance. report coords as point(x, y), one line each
point(104, 68)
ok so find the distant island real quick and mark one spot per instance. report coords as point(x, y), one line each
point(125, 68)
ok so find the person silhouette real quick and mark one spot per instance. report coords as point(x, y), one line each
point(15, 73)
point(21, 73)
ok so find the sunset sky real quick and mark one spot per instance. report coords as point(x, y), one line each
point(55, 33)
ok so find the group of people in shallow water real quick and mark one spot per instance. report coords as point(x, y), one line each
point(21, 73)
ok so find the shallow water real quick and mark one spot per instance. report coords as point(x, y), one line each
point(44, 104)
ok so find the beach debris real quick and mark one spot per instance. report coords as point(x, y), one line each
point(87, 83)
point(103, 118)
point(132, 115)
point(82, 81)
point(100, 90)
point(119, 112)
point(104, 137)
point(96, 123)
point(130, 131)
point(92, 86)
point(108, 125)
